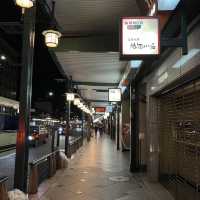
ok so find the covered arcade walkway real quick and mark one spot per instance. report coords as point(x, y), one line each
point(100, 172)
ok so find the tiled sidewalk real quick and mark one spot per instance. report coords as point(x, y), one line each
point(99, 172)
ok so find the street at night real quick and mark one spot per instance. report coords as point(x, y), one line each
point(99, 100)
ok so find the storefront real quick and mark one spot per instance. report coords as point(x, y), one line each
point(179, 158)
point(173, 115)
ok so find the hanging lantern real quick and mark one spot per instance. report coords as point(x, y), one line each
point(76, 101)
point(52, 35)
point(51, 38)
point(24, 3)
point(80, 105)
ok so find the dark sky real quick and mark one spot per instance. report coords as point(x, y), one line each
point(45, 71)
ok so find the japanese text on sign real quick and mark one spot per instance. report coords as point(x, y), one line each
point(114, 95)
point(140, 36)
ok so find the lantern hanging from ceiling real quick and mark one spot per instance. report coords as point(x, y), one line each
point(52, 35)
point(51, 38)
point(24, 3)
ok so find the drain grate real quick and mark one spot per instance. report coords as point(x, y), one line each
point(119, 178)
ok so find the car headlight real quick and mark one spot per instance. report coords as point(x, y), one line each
point(30, 138)
point(60, 129)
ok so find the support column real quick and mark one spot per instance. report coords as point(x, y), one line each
point(134, 130)
point(53, 140)
point(153, 138)
point(22, 143)
point(58, 139)
point(68, 129)
point(82, 131)
point(111, 125)
point(118, 129)
point(114, 125)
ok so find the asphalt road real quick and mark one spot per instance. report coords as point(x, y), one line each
point(7, 160)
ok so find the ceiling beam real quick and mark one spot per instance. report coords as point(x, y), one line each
point(97, 101)
point(142, 6)
point(96, 90)
point(57, 63)
point(90, 43)
point(94, 83)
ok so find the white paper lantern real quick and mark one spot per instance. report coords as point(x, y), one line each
point(51, 38)
point(24, 3)
point(76, 101)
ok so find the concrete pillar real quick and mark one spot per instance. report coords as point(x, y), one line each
point(117, 131)
point(153, 138)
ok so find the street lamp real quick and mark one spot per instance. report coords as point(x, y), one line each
point(24, 3)
point(80, 105)
point(51, 94)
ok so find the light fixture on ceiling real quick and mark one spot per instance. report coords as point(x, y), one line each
point(24, 3)
point(52, 35)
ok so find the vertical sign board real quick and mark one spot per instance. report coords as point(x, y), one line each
point(140, 37)
point(70, 96)
point(114, 95)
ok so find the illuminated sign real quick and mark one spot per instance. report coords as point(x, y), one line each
point(140, 36)
point(70, 96)
point(100, 109)
point(109, 109)
point(167, 5)
point(114, 95)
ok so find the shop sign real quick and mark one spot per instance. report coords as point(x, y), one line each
point(109, 109)
point(100, 109)
point(70, 96)
point(140, 36)
point(114, 95)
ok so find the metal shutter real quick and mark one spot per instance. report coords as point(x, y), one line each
point(180, 141)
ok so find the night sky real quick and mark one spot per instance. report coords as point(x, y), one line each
point(45, 71)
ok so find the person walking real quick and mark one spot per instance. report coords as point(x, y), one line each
point(95, 129)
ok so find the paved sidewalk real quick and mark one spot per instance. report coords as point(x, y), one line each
point(99, 172)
